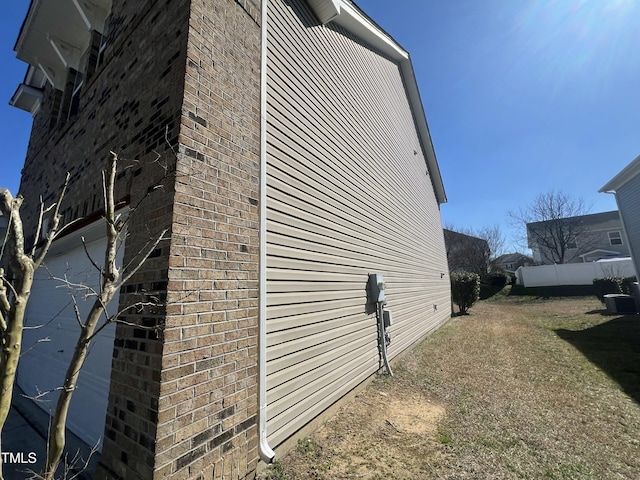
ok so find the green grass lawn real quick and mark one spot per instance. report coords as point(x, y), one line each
point(519, 389)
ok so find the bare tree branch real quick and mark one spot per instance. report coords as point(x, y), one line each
point(55, 223)
point(111, 280)
point(76, 311)
point(553, 222)
point(38, 226)
point(23, 267)
point(40, 340)
point(5, 240)
point(496, 241)
point(95, 265)
point(7, 284)
point(76, 287)
point(14, 294)
point(130, 270)
point(116, 318)
point(5, 305)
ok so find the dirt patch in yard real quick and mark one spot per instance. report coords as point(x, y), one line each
point(414, 416)
point(513, 390)
point(355, 443)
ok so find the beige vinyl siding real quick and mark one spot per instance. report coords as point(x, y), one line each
point(347, 194)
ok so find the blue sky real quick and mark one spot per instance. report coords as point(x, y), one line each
point(15, 125)
point(522, 97)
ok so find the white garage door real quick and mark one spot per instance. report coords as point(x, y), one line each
point(52, 331)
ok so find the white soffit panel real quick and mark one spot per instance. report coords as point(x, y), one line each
point(325, 10)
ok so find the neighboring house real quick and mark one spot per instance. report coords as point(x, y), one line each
point(510, 262)
point(466, 253)
point(302, 163)
point(626, 188)
point(586, 238)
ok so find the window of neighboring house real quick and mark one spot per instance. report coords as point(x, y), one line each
point(572, 244)
point(615, 238)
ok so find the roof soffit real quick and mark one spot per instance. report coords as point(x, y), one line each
point(27, 98)
point(55, 34)
point(325, 10)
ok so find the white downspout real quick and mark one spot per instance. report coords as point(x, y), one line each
point(265, 451)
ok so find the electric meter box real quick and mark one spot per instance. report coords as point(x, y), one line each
point(376, 288)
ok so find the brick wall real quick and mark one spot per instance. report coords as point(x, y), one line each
point(129, 106)
point(183, 395)
point(125, 107)
point(207, 425)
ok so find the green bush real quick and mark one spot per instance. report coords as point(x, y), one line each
point(491, 284)
point(495, 279)
point(465, 290)
point(606, 285)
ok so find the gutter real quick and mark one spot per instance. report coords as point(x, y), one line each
point(265, 451)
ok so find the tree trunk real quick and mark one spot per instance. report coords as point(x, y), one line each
point(108, 287)
point(10, 356)
point(24, 267)
point(57, 433)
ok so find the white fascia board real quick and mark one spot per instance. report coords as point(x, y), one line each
point(352, 20)
point(27, 98)
point(35, 77)
point(27, 25)
point(423, 130)
point(54, 35)
point(629, 172)
point(54, 75)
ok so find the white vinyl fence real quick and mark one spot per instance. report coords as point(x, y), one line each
point(573, 273)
